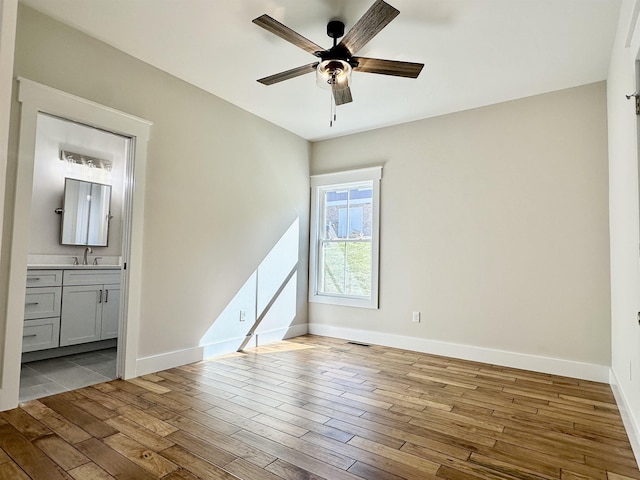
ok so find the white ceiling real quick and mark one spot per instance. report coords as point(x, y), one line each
point(476, 52)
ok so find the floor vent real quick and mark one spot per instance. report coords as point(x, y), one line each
point(359, 344)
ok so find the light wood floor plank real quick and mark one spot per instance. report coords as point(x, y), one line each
point(196, 465)
point(155, 464)
point(11, 471)
point(25, 424)
point(60, 452)
point(112, 462)
point(27, 456)
point(87, 422)
point(227, 444)
point(140, 434)
point(147, 421)
point(301, 460)
point(202, 448)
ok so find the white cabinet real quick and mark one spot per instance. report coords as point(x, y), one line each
point(111, 312)
point(70, 306)
point(42, 310)
point(90, 306)
point(40, 334)
point(44, 278)
point(42, 302)
point(81, 315)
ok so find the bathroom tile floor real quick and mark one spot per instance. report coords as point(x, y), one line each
point(47, 377)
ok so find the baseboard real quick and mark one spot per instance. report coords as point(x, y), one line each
point(555, 366)
point(70, 350)
point(164, 361)
point(626, 412)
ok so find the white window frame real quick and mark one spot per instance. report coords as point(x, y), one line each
point(344, 179)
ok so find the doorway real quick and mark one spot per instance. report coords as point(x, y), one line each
point(39, 99)
point(74, 249)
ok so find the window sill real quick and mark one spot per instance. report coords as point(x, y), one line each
point(357, 302)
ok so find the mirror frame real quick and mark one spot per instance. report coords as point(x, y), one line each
point(71, 204)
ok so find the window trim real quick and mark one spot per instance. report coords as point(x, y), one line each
point(344, 179)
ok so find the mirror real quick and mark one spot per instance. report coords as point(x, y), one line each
point(85, 213)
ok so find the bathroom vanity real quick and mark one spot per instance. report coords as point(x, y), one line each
point(70, 305)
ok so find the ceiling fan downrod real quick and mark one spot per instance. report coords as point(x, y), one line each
point(335, 30)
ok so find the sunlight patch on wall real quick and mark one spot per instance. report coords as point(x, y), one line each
point(264, 305)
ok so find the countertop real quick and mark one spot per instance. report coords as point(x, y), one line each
point(47, 266)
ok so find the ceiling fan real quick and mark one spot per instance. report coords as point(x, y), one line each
point(333, 70)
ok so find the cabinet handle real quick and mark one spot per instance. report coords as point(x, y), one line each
point(33, 278)
point(31, 303)
point(106, 296)
point(100, 300)
point(32, 335)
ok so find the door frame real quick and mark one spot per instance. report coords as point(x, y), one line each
point(37, 98)
point(8, 22)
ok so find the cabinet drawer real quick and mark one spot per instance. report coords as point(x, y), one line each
point(40, 334)
point(41, 302)
point(44, 278)
point(91, 277)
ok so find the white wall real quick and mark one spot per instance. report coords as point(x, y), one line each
point(494, 225)
point(223, 188)
point(48, 184)
point(623, 208)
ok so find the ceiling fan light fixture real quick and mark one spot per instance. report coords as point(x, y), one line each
point(330, 72)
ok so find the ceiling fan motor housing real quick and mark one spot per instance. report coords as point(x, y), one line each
point(335, 29)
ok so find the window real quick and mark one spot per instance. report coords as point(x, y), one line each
point(344, 238)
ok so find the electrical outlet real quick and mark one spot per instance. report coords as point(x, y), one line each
point(416, 317)
point(243, 315)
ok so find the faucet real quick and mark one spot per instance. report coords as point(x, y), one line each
point(84, 257)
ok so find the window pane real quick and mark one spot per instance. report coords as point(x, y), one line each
point(358, 271)
point(347, 213)
point(333, 268)
point(346, 268)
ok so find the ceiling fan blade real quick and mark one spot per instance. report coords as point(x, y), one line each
point(294, 72)
point(341, 96)
point(375, 19)
point(388, 67)
point(284, 32)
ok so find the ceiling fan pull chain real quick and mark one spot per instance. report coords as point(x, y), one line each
point(332, 115)
point(334, 108)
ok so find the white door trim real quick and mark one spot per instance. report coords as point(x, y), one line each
point(36, 98)
point(8, 20)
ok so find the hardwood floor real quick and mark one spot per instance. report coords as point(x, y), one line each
point(320, 408)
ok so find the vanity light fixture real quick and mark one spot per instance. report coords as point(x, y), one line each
point(91, 162)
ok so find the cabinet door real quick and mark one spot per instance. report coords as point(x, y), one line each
point(110, 312)
point(81, 314)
